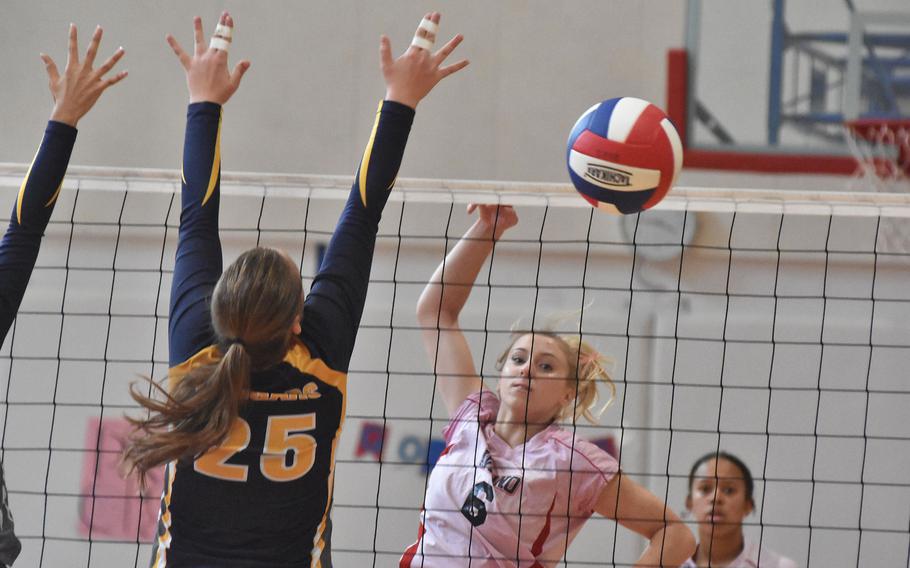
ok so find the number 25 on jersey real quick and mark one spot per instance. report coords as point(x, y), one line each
point(283, 434)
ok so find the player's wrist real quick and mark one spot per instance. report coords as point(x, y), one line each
point(65, 116)
point(205, 98)
point(205, 107)
point(406, 99)
point(485, 230)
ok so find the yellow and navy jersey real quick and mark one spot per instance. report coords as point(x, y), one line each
point(18, 253)
point(263, 498)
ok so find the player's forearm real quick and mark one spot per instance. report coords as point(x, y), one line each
point(29, 218)
point(450, 286)
point(670, 546)
point(201, 154)
point(382, 156)
point(39, 190)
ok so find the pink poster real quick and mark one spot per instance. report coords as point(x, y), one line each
point(111, 506)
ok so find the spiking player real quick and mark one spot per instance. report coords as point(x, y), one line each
point(253, 415)
point(75, 93)
point(512, 488)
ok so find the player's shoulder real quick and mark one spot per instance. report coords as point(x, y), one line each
point(206, 356)
point(476, 409)
point(302, 358)
point(579, 453)
point(480, 406)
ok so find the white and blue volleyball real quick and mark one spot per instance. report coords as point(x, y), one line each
point(624, 155)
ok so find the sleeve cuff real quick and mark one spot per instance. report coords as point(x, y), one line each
point(204, 107)
point(60, 129)
point(398, 108)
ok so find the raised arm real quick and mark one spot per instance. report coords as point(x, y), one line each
point(75, 93)
point(198, 264)
point(442, 300)
point(334, 306)
point(670, 542)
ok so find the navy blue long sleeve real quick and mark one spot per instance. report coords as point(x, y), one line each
point(18, 253)
point(30, 216)
point(334, 306)
point(198, 264)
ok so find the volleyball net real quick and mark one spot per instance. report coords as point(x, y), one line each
point(769, 324)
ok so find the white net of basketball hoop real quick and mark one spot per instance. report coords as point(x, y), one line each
point(882, 151)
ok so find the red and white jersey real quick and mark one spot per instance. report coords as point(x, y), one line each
point(753, 556)
point(501, 506)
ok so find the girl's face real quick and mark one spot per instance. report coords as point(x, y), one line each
point(534, 382)
point(718, 497)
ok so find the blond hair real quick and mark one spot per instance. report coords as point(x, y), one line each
point(587, 366)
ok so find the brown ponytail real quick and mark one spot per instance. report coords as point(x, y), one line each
point(254, 306)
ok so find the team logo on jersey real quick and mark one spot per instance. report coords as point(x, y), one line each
point(508, 483)
point(310, 391)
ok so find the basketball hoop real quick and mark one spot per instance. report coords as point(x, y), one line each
point(882, 150)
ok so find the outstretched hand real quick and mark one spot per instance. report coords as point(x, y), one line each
point(76, 91)
point(413, 75)
point(207, 75)
point(498, 218)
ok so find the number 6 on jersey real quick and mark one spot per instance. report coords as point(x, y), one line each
point(282, 434)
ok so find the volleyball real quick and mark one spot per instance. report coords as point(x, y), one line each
point(624, 155)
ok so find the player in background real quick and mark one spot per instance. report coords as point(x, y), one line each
point(720, 497)
point(249, 425)
point(75, 92)
point(512, 488)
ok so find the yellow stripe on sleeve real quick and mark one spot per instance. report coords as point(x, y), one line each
point(216, 164)
point(365, 161)
point(55, 196)
point(22, 189)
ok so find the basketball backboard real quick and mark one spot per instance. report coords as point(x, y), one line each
point(773, 92)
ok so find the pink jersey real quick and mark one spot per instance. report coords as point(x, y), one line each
point(491, 505)
point(753, 556)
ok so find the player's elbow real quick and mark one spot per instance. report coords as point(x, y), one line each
point(680, 544)
point(431, 312)
point(433, 316)
point(427, 312)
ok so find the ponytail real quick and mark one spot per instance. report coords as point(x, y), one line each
point(589, 367)
point(195, 416)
